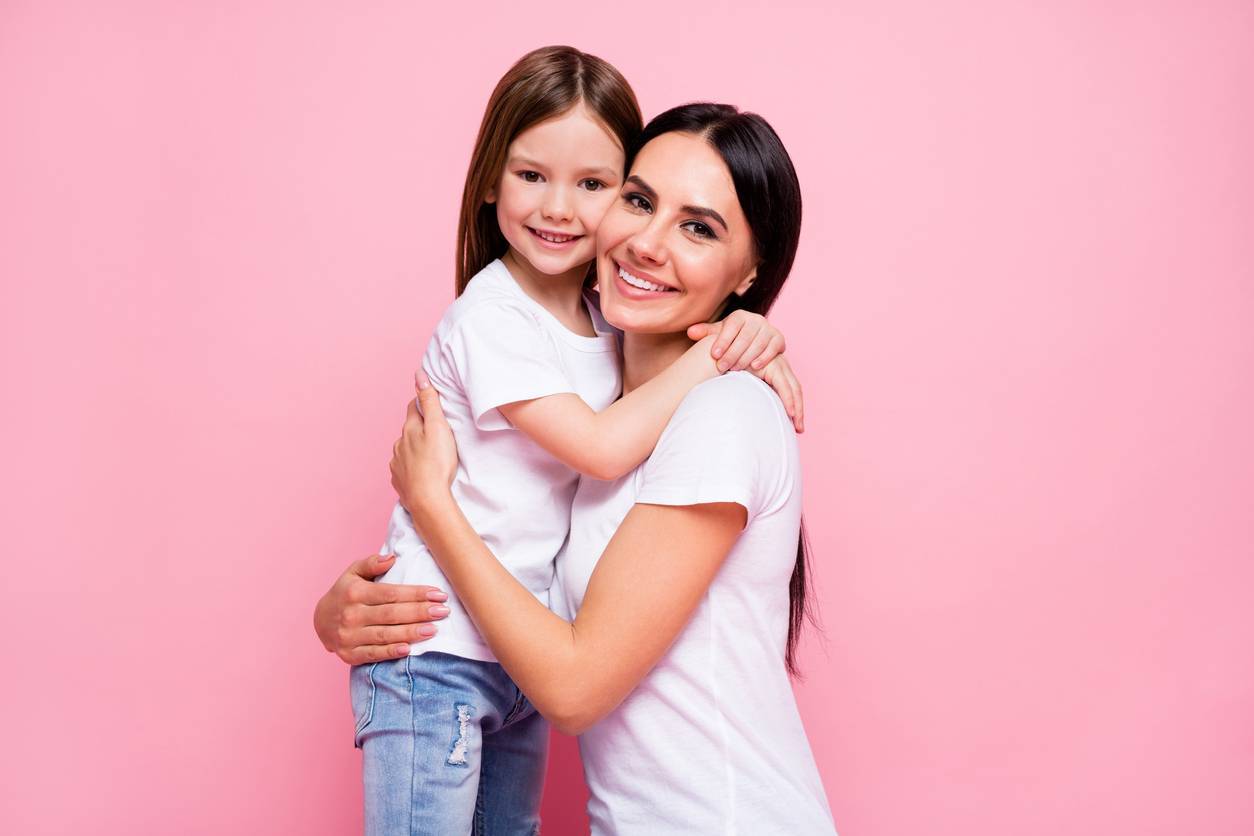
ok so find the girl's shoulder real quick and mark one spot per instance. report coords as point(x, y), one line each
point(491, 299)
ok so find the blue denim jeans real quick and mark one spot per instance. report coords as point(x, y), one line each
point(449, 746)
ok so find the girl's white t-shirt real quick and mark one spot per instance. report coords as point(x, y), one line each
point(710, 741)
point(496, 345)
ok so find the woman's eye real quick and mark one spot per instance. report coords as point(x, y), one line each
point(592, 185)
point(638, 201)
point(699, 229)
point(530, 176)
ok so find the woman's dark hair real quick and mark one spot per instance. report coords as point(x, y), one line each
point(770, 196)
point(544, 83)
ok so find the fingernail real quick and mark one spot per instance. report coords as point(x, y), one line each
point(757, 364)
point(422, 380)
point(401, 650)
point(722, 367)
point(437, 595)
point(718, 352)
point(437, 610)
point(426, 630)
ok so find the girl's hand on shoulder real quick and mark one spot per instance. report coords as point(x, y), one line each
point(361, 621)
point(779, 376)
point(424, 458)
point(745, 341)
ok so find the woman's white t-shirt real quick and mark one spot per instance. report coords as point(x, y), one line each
point(710, 741)
point(496, 345)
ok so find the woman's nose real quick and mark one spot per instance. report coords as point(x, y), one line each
point(648, 244)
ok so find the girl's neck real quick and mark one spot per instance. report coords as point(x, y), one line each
point(646, 355)
point(560, 295)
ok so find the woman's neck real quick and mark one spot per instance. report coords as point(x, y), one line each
point(560, 295)
point(646, 355)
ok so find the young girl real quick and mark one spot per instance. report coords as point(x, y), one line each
point(529, 372)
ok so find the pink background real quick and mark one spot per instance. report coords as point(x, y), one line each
point(1023, 309)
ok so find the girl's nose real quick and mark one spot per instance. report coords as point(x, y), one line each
point(557, 205)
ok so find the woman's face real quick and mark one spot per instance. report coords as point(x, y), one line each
point(675, 244)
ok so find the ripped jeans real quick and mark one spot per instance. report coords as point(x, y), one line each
point(449, 746)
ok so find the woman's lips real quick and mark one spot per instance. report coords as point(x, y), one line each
point(544, 238)
point(631, 291)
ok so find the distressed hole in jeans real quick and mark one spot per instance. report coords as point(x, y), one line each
point(457, 755)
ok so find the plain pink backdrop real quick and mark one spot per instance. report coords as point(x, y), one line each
point(1023, 310)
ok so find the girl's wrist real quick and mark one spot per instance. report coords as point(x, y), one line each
point(700, 359)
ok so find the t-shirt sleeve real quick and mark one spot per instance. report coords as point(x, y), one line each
point(503, 354)
point(724, 444)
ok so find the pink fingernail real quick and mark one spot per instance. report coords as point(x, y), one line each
point(437, 595)
point(438, 610)
point(427, 630)
point(401, 650)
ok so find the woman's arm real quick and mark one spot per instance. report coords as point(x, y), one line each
point(609, 443)
point(640, 597)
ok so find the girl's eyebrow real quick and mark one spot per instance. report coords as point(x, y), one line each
point(525, 161)
point(603, 170)
point(699, 211)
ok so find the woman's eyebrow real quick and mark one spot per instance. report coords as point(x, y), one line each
point(699, 211)
point(702, 212)
point(643, 186)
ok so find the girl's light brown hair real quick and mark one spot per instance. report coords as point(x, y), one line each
point(544, 83)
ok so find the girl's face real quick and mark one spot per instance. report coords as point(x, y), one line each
point(560, 176)
point(676, 243)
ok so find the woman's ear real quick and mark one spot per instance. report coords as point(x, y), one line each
point(743, 287)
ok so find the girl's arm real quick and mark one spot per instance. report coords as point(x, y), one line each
point(609, 443)
point(638, 600)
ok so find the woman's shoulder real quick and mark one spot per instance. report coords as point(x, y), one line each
point(739, 398)
point(735, 413)
point(729, 441)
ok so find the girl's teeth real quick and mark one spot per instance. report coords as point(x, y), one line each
point(640, 283)
point(554, 239)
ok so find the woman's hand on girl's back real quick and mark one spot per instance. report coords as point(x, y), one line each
point(361, 621)
point(424, 458)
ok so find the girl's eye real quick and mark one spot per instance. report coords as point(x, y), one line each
point(699, 229)
point(530, 176)
point(592, 185)
point(638, 201)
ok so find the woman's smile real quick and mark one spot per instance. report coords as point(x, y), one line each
point(637, 284)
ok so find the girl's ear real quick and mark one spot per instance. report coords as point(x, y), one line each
point(743, 287)
point(490, 197)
